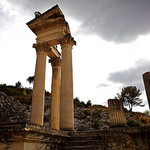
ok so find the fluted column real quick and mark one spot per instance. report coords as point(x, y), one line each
point(37, 109)
point(55, 94)
point(66, 93)
point(146, 79)
point(116, 113)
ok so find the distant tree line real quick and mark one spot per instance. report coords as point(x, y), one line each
point(78, 103)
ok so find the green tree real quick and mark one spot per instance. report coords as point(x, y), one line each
point(130, 96)
point(88, 104)
point(78, 103)
point(30, 79)
point(18, 84)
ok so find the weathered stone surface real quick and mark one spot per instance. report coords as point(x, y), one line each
point(116, 113)
point(86, 119)
point(33, 137)
point(133, 138)
point(146, 79)
point(52, 29)
point(94, 119)
point(11, 110)
point(126, 138)
point(29, 137)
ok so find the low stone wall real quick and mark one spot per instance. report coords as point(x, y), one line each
point(35, 137)
point(125, 138)
point(30, 137)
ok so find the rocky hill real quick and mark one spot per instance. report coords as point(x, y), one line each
point(13, 110)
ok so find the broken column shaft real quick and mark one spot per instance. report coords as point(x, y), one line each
point(116, 113)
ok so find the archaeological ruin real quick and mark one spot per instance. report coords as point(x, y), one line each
point(51, 30)
point(116, 113)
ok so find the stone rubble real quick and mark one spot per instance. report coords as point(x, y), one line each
point(86, 119)
point(11, 110)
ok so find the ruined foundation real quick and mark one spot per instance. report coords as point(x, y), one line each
point(35, 137)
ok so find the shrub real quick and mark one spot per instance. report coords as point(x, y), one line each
point(87, 112)
point(96, 124)
point(18, 84)
point(133, 123)
point(143, 120)
point(88, 104)
point(78, 103)
point(97, 113)
point(81, 104)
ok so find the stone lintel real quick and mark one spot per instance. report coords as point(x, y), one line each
point(51, 51)
point(54, 53)
point(52, 33)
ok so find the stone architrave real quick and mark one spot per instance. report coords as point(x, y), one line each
point(116, 113)
point(66, 93)
point(37, 109)
point(146, 79)
point(55, 94)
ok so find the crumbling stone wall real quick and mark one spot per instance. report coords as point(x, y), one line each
point(31, 136)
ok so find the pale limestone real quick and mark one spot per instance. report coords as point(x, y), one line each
point(116, 113)
point(55, 95)
point(37, 109)
point(52, 29)
point(66, 99)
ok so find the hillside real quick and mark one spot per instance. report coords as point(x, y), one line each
point(15, 106)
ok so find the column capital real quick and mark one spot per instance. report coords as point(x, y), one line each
point(55, 62)
point(67, 40)
point(44, 46)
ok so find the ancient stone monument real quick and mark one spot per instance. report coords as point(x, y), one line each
point(116, 113)
point(52, 29)
point(146, 79)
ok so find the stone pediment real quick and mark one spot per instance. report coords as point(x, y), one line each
point(49, 26)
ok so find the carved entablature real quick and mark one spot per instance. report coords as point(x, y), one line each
point(48, 24)
point(67, 40)
point(44, 46)
point(55, 62)
point(53, 18)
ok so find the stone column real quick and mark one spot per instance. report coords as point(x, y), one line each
point(55, 94)
point(146, 79)
point(116, 113)
point(37, 108)
point(66, 93)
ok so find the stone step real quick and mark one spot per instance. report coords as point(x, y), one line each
point(77, 138)
point(84, 143)
point(84, 133)
point(81, 148)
